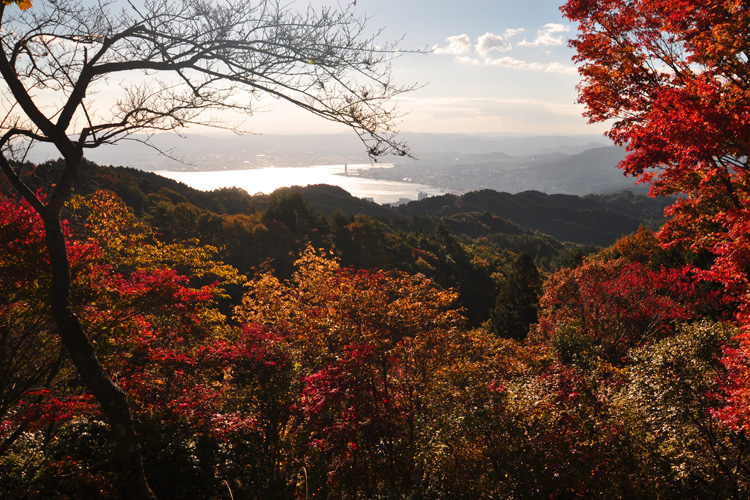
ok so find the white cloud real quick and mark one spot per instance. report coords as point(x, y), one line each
point(517, 64)
point(513, 63)
point(489, 42)
point(457, 45)
point(461, 48)
point(511, 32)
point(468, 60)
point(547, 37)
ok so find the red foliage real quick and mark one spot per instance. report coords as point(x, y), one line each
point(617, 305)
point(153, 331)
point(353, 407)
point(21, 239)
point(675, 78)
point(42, 407)
point(349, 401)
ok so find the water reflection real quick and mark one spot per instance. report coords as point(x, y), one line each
point(267, 180)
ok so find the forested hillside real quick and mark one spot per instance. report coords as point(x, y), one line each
point(447, 347)
point(158, 342)
point(459, 241)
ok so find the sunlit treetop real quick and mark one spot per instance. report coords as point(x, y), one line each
point(23, 4)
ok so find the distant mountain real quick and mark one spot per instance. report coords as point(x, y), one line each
point(574, 148)
point(590, 171)
point(590, 220)
point(224, 152)
point(427, 145)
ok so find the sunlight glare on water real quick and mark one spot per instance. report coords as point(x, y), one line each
point(267, 180)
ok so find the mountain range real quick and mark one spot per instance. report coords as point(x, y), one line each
point(454, 163)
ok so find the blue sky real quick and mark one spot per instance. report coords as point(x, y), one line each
point(495, 66)
point(491, 67)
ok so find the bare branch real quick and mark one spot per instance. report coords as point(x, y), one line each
point(179, 59)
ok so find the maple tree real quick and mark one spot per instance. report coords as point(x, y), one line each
point(194, 381)
point(602, 309)
point(674, 79)
point(22, 4)
point(31, 359)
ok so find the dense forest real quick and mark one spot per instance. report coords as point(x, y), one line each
point(161, 342)
point(275, 347)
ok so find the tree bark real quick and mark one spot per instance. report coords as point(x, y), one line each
point(108, 394)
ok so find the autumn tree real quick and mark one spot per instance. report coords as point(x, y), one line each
point(377, 351)
point(603, 309)
point(177, 61)
point(152, 326)
point(30, 357)
point(673, 78)
point(668, 402)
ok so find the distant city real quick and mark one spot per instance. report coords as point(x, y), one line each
point(453, 163)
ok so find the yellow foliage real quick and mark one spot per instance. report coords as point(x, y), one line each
point(326, 308)
point(129, 244)
point(22, 4)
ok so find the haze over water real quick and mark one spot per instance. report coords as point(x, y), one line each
point(267, 180)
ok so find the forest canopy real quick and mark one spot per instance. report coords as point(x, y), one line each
point(161, 343)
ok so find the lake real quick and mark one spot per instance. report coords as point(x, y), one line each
point(267, 180)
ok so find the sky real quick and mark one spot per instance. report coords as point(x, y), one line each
point(492, 67)
point(484, 67)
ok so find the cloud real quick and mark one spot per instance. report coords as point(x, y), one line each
point(548, 36)
point(468, 60)
point(479, 54)
point(517, 64)
point(511, 32)
point(457, 45)
point(494, 115)
point(489, 42)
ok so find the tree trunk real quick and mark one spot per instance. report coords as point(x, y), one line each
point(108, 394)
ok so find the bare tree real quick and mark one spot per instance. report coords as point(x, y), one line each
point(171, 62)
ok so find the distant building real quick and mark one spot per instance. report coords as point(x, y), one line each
point(422, 195)
point(401, 201)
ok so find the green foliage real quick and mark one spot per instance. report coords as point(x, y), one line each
point(567, 218)
point(668, 400)
point(517, 301)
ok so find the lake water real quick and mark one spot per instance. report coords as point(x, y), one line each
point(267, 180)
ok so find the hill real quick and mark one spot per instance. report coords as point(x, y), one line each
point(590, 220)
point(585, 220)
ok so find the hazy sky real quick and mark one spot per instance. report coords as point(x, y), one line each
point(495, 66)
